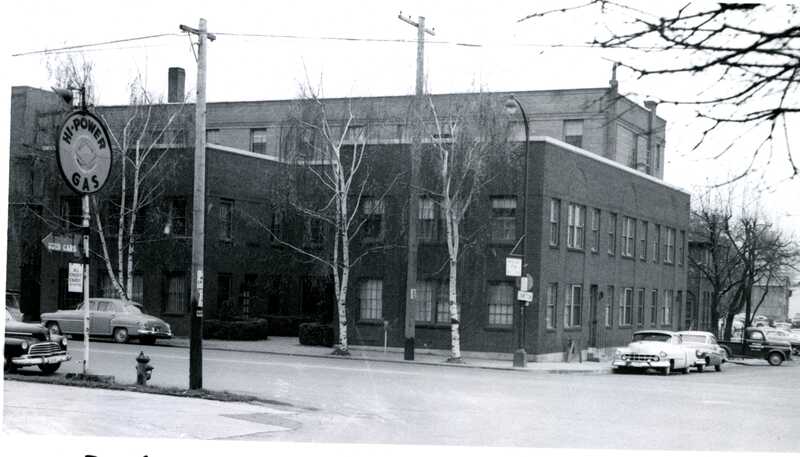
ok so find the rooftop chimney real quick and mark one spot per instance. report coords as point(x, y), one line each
point(175, 91)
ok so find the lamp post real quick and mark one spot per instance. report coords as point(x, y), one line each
point(511, 105)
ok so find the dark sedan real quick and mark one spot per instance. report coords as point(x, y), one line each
point(32, 344)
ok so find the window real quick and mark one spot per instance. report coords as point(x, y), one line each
point(643, 240)
point(595, 230)
point(609, 308)
point(276, 226)
point(576, 221)
point(247, 293)
point(443, 303)
point(656, 243)
point(258, 141)
point(426, 219)
point(678, 303)
point(669, 246)
point(224, 285)
point(653, 307)
point(640, 307)
point(107, 289)
point(667, 307)
point(501, 304)
point(212, 136)
point(681, 250)
point(572, 306)
point(177, 217)
point(504, 218)
point(433, 303)
point(612, 233)
point(625, 306)
point(373, 210)
point(370, 295)
point(425, 294)
point(313, 232)
point(573, 132)
point(552, 303)
point(555, 221)
point(628, 236)
point(226, 219)
point(177, 293)
point(71, 212)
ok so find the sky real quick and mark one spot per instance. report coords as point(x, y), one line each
point(536, 54)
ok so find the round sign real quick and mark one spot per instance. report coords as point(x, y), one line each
point(84, 152)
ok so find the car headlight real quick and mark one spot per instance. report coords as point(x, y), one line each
point(662, 354)
point(24, 345)
point(64, 341)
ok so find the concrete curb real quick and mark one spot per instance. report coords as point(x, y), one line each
point(406, 362)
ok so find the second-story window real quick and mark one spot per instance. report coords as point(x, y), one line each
point(612, 233)
point(669, 246)
point(576, 222)
point(595, 230)
point(643, 240)
point(226, 219)
point(555, 221)
point(504, 219)
point(656, 243)
point(426, 221)
point(258, 141)
point(628, 236)
point(573, 132)
point(373, 210)
point(177, 216)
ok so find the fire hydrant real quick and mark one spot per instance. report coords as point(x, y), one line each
point(143, 369)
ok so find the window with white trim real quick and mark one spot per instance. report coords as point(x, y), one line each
point(572, 305)
point(576, 222)
point(628, 236)
point(625, 306)
point(426, 220)
point(370, 295)
point(552, 303)
point(504, 219)
point(667, 317)
point(612, 233)
point(595, 230)
point(656, 243)
point(640, 306)
point(643, 240)
point(669, 246)
point(653, 307)
point(555, 221)
point(609, 299)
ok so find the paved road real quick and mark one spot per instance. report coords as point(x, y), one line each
point(753, 408)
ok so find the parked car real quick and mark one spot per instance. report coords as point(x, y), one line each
point(782, 335)
point(756, 345)
point(658, 349)
point(112, 317)
point(708, 352)
point(32, 344)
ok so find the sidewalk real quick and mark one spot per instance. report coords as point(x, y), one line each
point(284, 345)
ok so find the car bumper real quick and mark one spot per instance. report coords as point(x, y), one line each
point(26, 360)
point(154, 333)
point(639, 364)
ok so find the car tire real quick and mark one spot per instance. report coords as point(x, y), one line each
point(8, 367)
point(718, 366)
point(728, 354)
point(668, 369)
point(775, 358)
point(700, 368)
point(49, 368)
point(53, 328)
point(120, 335)
point(685, 370)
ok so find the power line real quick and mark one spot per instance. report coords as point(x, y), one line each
point(89, 45)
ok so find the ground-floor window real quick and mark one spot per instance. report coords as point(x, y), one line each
point(609, 299)
point(667, 305)
point(370, 295)
point(107, 289)
point(640, 306)
point(501, 304)
point(177, 294)
point(625, 306)
point(433, 302)
point(653, 306)
point(572, 307)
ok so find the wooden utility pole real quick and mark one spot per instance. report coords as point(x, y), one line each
point(413, 195)
point(198, 210)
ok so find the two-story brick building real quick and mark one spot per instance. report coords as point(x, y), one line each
point(606, 237)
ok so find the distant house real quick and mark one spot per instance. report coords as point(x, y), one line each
point(775, 305)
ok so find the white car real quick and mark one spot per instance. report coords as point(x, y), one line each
point(658, 349)
point(708, 352)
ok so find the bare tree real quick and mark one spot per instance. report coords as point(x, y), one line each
point(750, 50)
point(466, 141)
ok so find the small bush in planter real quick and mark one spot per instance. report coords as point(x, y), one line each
point(315, 334)
point(249, 330)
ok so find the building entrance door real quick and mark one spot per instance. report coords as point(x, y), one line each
point(593, 315)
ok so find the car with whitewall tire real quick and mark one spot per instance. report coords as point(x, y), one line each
point(708, 352)
point(29, 345)
point(660, 350)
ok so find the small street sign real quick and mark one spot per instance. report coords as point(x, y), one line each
point(62, 243)
point(514, 266)
point(75, 283)
point(525, 296)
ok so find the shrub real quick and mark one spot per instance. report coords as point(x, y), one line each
point(286, 325)
point(314, 334)
point(249, 330)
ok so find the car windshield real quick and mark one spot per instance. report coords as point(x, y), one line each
point(651, 337)
point(693, 338)
point(132, 308)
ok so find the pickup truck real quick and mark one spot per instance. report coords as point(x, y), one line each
point(756, 345)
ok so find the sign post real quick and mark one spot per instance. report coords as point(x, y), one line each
point(83, 153)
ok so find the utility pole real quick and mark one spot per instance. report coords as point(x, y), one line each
point(198, 210)
point(413, 185)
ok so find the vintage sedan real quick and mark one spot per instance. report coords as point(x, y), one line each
point(658, 349)
point(32, 345)
point(777, 334)
point(708, 352)
point(112, 317)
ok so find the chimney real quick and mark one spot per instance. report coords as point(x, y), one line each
point(651, 105)
point(175, 91)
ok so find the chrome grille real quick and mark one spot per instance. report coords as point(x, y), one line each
point(640, 357)
point(46, 348)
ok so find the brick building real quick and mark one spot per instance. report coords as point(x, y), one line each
point(607, 238)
